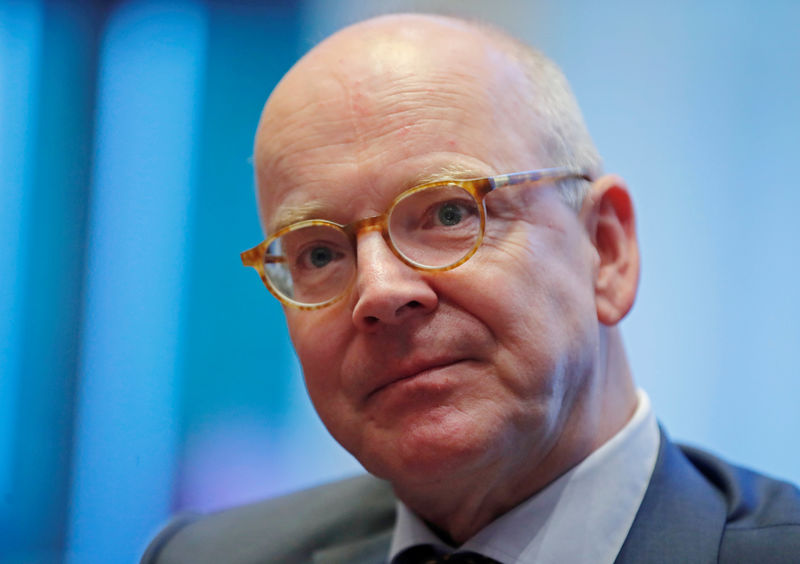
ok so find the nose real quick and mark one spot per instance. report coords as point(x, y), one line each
point(389, 291)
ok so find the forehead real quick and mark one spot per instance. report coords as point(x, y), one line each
point(362, 119)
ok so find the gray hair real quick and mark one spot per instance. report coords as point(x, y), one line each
point(564, 136)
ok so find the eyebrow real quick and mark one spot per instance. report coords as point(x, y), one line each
point(316, 209)
point(449, 172)
point(288, 215)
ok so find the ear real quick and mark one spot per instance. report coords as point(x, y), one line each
point(610, 220)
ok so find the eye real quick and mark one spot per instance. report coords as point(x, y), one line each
point(320, 256)
point(317, 256)
point(313, 249)
point(450, 213)
point(441, 211)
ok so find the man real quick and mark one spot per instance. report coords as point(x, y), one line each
point(462, 341)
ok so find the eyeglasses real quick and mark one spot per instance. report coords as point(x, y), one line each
point(432, 227)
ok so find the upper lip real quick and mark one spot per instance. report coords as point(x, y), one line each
point(409, 369)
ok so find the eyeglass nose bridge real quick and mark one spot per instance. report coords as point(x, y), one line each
point(374, 223)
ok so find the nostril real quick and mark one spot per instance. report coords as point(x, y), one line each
point(413, 304)
point(372, 320)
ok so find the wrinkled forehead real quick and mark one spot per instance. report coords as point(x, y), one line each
point(359, 104)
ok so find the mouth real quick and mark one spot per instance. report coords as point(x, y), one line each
point(414, 371)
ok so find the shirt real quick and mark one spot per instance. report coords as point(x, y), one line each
point(583, 516)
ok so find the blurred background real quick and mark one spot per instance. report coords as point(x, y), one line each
point(143, 371)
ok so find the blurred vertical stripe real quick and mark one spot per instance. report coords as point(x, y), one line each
point(50, 83)
point(20, 52)
point(149, 99)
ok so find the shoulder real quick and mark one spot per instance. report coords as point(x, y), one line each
point(762, 514)
point(285, 529)
point(699, 508)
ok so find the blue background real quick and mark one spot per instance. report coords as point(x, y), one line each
point(143, 371)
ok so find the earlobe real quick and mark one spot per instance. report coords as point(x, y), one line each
point(610, 220)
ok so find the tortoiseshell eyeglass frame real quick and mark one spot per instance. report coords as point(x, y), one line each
point(477, 187)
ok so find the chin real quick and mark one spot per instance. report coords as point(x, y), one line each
point(432, 450)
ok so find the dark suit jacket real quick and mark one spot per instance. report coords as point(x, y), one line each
point(697, 508)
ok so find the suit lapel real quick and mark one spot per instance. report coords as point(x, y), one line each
point(369, 550)
point(681, 518)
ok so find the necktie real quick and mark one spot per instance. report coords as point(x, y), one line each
point(427, 554)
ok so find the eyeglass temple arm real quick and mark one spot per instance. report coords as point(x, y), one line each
point(253, 256)
point(557, 173)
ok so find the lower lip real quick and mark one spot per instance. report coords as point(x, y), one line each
point(429, 383)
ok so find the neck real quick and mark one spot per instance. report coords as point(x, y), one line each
point(460, 506)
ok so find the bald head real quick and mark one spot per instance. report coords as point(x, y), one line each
point(400, 67)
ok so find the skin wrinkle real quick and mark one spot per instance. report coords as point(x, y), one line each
point(529, 397)
point(320, 209)
point(439, 89)
point(355, 126)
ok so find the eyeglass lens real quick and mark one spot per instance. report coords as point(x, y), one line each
point(430, 228)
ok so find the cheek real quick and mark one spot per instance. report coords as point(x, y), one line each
point(534, 290)
point(319, 338)
point(323, 352)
